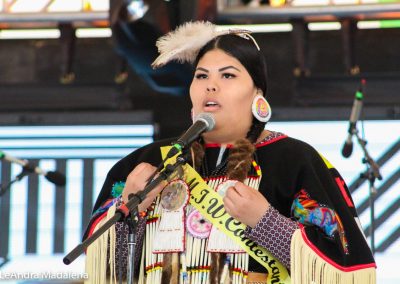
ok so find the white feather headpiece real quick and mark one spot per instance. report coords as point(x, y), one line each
point(184, 43)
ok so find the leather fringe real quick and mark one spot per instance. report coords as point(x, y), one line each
point(308, 267)
point(217, 265)
point(96, 263)
point(167, 268)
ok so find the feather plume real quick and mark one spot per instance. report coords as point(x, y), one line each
point(184, 43)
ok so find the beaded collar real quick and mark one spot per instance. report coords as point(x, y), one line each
point(271, 136)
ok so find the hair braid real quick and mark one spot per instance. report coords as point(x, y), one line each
point(240, 159)
point(255, 131)
point(197, 150)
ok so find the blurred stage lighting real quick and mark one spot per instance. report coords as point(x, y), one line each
point(137, 9)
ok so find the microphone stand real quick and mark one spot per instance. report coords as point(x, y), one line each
point(371, 174)
point(3, 261)
point(132, 222)
point(124, 211)
point(26, 170)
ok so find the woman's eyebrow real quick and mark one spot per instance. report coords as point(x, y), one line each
point(220, 70)
point(201, 69)
point(228, 67)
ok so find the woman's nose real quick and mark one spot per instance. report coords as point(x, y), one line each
point(211, 89)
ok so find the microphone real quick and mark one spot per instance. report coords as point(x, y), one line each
point(55, 177)
point(203, 122)
point(354, 117)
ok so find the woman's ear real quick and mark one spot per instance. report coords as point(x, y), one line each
point(257, 92)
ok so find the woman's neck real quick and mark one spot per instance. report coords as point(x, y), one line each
point(225, 141)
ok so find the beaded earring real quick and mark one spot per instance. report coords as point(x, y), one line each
point(261, 108)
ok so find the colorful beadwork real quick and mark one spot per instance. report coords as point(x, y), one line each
point(309, 212)
point(117, 188)
point(257, 168)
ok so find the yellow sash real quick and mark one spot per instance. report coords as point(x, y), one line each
point(210, 205)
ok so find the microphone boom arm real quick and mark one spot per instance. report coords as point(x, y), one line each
point(25, 171)
point(53, 176)
point(374, 167)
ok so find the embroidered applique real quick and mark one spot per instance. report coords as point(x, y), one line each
point(309, 212)
point(116, 193)
point(110, 202)
point(117, 189)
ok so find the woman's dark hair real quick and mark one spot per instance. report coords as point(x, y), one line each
point(251, 58)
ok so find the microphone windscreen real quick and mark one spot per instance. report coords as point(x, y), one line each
point(347, 150)
point(208, 118)
point(56, 178)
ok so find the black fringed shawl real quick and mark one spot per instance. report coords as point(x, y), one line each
point(289, 167)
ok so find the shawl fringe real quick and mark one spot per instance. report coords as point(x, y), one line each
point(96, 264)
point(308, 267)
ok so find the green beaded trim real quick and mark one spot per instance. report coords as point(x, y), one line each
point(117, 189)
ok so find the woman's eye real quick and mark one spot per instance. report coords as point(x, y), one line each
point(228, 75)
point(200, 76)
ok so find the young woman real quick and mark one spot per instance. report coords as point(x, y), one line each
point(270, 208)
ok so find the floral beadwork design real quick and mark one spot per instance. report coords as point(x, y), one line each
point(309, 212)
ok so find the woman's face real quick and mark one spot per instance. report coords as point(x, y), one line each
point(223, 87)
